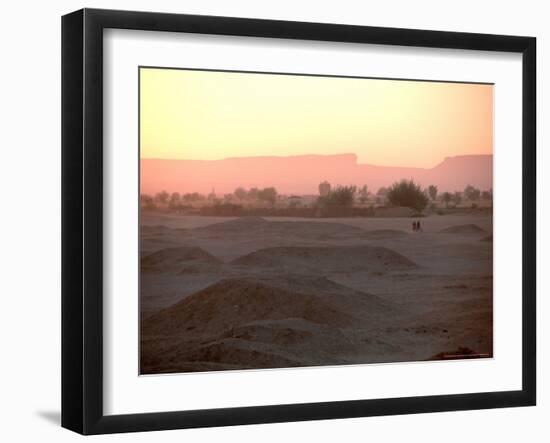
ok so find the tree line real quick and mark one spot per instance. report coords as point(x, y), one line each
point(176, 200)
point(404, 193)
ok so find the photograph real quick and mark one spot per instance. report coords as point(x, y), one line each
point(291, 220)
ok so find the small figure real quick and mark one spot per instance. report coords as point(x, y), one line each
point(418, 228)
point(414, 226)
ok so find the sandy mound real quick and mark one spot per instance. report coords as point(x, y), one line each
point(251, 226)
point(394, 212)
point(153, 229)
point(463, 229)
point(354, 302)
point(324, 259)
point(237, 225)
point(236, 352)
point(278, 332)
point(294, 334)
point(312, 303)
point(232, 302)
point(383, 234)
point(458, 354)
point(261, 323)
point(183, 259)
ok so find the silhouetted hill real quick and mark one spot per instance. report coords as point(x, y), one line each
point(302, 174)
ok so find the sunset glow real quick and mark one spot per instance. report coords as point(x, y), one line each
point(204, 115)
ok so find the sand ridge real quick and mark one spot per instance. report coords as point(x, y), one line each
point(236, 301)
point(382, 234)
point(463, 229)
point(253, 292)
point(248, 226)
point(327, 259)
point(179, 259)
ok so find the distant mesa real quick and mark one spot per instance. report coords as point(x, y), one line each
point(183, 259)
point(463, 229)
point(302, 174)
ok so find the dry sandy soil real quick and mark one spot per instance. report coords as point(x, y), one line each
point(221, 293)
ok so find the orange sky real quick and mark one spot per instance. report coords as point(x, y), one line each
point(214, 115)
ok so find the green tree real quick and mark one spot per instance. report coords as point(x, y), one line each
point(339, 197)
point(268, 195)
point(382, 192)
point(407, 193)
point(146, 201)
point(175, 200)
point(363, 193)
point(240, 193)
point(471, 193)
point(432, 191)
point(446, 197)
point(457, 198)
point(381, 195)
point(192, 197)
point(487, 195)
point(253, 193)
point(162, 197)
point(324, 188)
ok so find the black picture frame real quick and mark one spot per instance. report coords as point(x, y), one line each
point(82, 218)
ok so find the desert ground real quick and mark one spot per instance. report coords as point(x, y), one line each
point(222, 293)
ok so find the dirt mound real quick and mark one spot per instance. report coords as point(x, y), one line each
point(323, 259)
point(463, 229)
point(394, 212)
point(348, 300)
point(236, 225)
point(383, 234)
point(239, 324)
point(235, 352)
point(153, 229)
point(263, 322)
point(232, 302)
point(185, 259)
point(251, 226)
point(277, 332)
point(458, 354)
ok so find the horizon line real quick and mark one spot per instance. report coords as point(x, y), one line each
point(318, 155)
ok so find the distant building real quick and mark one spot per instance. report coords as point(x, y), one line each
point(212, 195)
point(294, 200)
point(301, 200)
point(324, 188)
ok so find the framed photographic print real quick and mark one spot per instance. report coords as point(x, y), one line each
point(269, 221)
